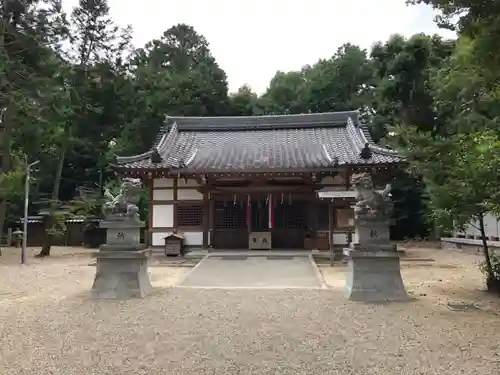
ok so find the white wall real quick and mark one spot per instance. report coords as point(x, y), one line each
point(163, 182)
point(491, 226)
point(163, 215)
point(340, 238)
point(189, 182)
point(163, 195)
point(189, 194)
point(190, 238)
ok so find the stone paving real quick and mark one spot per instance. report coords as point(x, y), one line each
point(262, 272)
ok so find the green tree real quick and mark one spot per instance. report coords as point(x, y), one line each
point(403, 93)
point(245, 103)
point(92, 34)
point(173, 75)
point(466, 95)
point(26, 31)
point(286, 93)
point(462, 175)
point(478, 20)
point(341, 83)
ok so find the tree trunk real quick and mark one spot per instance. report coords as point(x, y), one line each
point(62, 157)
point(6, 120)
point(49, 222)
point(47, 238)
point(5, 149)
point(488, 267)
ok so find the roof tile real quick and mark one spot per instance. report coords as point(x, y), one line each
point(261, 142)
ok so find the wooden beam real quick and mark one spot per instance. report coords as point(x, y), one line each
point(211, 219)
point(206, 210)
point(150, 211)
point(175, 196)
point(263, 189)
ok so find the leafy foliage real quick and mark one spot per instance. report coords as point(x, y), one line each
point(73, 92)
point(468, 187)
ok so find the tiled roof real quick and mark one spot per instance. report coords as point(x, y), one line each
point(307, 141)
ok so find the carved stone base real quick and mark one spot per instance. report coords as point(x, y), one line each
point(374, 276)
point(122, 275)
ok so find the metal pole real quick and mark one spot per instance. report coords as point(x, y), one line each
point(26, 204)
point(25, 220)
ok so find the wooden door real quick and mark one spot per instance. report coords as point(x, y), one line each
point(230, 229)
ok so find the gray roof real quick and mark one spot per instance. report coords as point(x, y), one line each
point(286, 142)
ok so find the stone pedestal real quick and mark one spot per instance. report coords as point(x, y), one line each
point(374, 265)
point(122, 275)
point(122, 263)
point(374, 276)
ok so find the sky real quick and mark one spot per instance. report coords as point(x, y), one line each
point(251, 40)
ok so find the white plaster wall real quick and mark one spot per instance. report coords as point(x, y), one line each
point(337, 180)
point(491, 226)
point(189, 182)
point(355, 236)
point(339, 238)
point(190, 238)
point(193, 238)
point(163, 195)
point(163, 215)
point(158, 238)
point(163, 182)
point(189, 194)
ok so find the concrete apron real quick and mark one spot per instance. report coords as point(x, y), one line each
point(255, 270)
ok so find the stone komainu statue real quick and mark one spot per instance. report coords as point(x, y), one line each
point(123, 204)
point(370, 203)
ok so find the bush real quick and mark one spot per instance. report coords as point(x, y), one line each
point(493, 283)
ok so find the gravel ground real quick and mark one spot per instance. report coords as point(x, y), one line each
point(48, 325)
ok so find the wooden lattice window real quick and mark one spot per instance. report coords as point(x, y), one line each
point(189, 215)
point(290, 215)
point(260, 215)
point(230, 214)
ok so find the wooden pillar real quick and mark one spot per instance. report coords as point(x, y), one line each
point(312, 219)
point(150, 212)
point(348, 173)
point(211, 219)
point(330, 232)
point(175, 196)
point(313, 211)
point(206, 209)
point(330, 224)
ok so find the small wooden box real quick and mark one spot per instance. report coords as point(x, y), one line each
point(309, 243)
point(174, 244)
point(322, 243)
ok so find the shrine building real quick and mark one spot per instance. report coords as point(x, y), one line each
point(258, 182)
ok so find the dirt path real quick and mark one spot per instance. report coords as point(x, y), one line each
point(49, 325)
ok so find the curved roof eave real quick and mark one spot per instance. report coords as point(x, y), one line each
point(133, 158)
point(158, 147)
point(361, 132)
